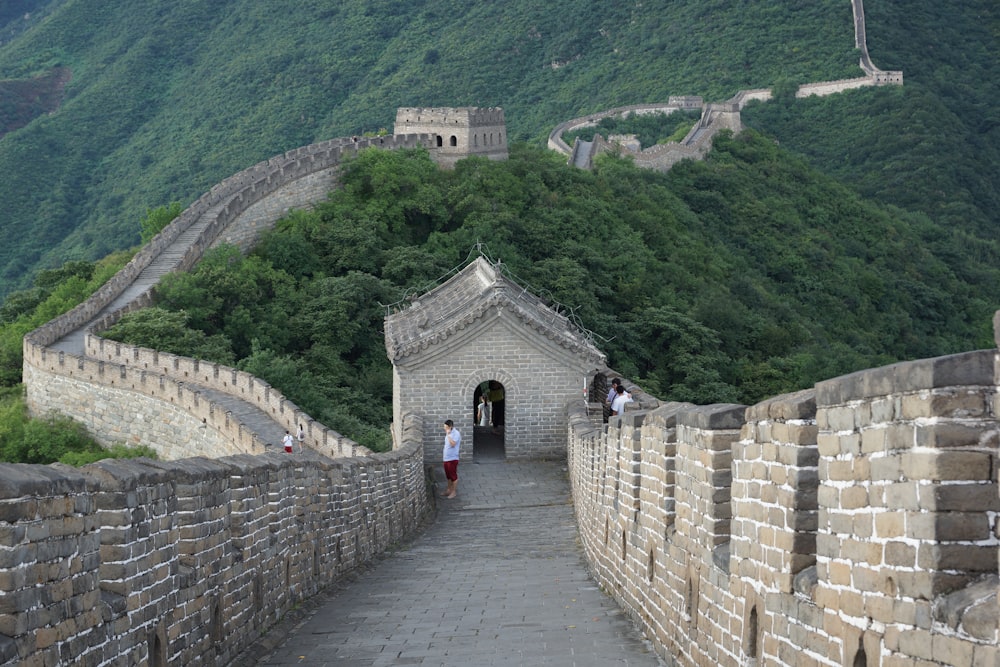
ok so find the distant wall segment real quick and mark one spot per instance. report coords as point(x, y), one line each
point(715, 117)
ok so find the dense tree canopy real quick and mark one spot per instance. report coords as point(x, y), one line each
point(729, 280)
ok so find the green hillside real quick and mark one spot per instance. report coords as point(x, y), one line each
point(167, 99)
point(732, 279)
point(835, 234)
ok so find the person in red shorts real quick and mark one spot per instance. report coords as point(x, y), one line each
point(452, 441)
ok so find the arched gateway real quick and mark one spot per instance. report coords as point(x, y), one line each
point(481, 331)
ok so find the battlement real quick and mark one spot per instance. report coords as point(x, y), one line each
point(854, 523)
point(471, 117)
point(459, 132)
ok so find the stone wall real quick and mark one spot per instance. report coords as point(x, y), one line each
point(137, 562)
point(144, 386)
point(852, 524)
point(674, 103)
point(182, 381)
point(699, 141)
point(163, 416)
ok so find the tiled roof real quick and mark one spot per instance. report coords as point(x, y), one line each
point(472, 293)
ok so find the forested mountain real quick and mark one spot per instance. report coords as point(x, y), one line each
point(833, 234)
point(165, 99)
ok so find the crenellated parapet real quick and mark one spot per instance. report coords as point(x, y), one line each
point(458, 132)
point(854, 523)
point(139, 562)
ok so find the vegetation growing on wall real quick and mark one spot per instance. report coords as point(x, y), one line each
point(729, 280)
point(650, 128)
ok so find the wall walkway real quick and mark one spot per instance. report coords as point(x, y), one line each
point(497, 580)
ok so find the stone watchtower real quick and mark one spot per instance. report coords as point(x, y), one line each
point(460, 132)
point(479, 334)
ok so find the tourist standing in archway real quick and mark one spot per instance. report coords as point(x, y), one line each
point(483, 411)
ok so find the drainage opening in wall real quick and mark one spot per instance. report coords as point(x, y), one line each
point(488, 415)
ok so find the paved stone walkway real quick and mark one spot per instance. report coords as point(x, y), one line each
point(498, 579)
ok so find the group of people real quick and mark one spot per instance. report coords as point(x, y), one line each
point(618, 396)
point(289, 441)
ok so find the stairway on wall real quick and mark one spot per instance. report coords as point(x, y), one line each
point(169, 261)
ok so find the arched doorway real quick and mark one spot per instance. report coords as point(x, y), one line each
point(488, 416)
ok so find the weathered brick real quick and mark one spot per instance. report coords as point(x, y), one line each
point(948, 465)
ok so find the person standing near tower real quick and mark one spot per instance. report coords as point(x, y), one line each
point(452, 441)
point(483, 413)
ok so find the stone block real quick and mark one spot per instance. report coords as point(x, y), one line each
point(958, 557)
point(900, 554)
point(863, 525)
point(886, 468)
point(889, 525)
point(945, 434)
point(917, 643)
point(841, 418)
point(902, 496)
point(828, 444)
point(873, 440)
point(900, 437)
point(948, 465)
point(879, 608)
point(884, 409)
point(852, 603)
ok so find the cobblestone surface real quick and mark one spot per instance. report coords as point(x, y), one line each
point(498, 579)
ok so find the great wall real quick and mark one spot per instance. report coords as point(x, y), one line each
point(714, 117)
point(851, 524)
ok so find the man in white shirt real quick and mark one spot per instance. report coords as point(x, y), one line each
point(452, 441)
point(618, 405)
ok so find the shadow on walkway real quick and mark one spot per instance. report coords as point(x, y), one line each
point(497, 579)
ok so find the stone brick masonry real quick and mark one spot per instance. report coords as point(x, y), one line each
point(851, 524)
point(139, 562)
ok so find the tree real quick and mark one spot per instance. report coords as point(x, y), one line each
point(156, 219)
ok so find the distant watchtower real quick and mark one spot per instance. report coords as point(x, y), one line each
point(460, 132)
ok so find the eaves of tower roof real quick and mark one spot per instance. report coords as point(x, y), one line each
point(479, 289)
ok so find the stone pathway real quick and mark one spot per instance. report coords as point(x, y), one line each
point(498, 579)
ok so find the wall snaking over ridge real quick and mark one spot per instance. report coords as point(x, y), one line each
point(68, 369)
point(715, 117)
point(190, 561)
